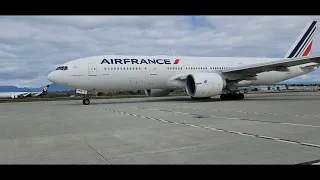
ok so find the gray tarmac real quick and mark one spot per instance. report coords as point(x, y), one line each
point(274, 128)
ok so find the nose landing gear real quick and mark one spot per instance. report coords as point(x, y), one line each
point(83, 93)
point(85, 101)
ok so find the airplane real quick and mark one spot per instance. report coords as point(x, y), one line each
point(21, 95)
point(200, 77)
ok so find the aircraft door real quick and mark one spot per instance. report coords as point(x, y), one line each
point(151, 78)
point(153, 69)
point(92, 69)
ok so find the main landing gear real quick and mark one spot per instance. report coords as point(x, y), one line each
point(85, 101)
point(232, 96)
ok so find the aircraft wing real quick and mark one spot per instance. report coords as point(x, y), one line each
point(278, 65)
point(34, 94)
point(243, 72)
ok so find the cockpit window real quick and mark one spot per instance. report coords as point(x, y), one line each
point(63, 68)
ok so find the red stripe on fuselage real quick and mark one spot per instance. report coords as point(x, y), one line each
point(176, 61)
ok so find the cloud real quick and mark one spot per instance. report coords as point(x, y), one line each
point(32, 46)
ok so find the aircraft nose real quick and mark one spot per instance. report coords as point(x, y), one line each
point(51, 76)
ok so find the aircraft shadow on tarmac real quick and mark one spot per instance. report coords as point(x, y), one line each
point(145, 100)
point(278, 97)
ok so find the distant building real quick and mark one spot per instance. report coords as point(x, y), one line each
point(277, 87)
point(263, 88)
point(290, 88)
point(313, 88)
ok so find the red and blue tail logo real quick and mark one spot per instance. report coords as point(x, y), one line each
point(303, 45)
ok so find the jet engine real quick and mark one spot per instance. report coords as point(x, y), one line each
point(202, 85)
point(157, 92)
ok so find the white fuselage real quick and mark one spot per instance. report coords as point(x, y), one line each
point(90, 74)
point(9, 94)
point(14, 94)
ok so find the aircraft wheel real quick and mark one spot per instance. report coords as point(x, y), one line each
point(86, 101)
point(240, 96)
point(223, 96)
point(228, 96)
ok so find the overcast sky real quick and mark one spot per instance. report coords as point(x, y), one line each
point(32, 46)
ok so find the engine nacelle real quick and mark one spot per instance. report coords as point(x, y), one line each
point(201, 85)
point(157, 92)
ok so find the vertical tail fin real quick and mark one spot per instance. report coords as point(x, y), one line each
point(302, 46)
point(45, 89)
